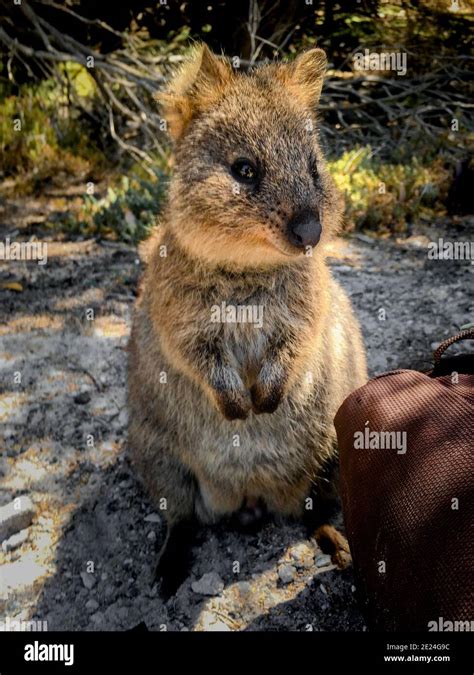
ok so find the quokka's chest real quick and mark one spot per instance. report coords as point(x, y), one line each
point(246, 327)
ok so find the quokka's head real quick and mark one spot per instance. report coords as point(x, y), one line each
point(250, 187)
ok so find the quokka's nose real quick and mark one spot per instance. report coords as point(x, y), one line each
point(304, 229)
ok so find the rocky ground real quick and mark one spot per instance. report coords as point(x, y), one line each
point(85, 555)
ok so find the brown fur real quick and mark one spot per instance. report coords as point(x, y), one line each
point(224, 413)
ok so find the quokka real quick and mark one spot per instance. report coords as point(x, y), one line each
point(227, 416)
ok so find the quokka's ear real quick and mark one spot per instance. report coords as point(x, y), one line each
point(305, 75)
point(198, 84)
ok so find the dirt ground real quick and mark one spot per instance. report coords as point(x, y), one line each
point(88, 557)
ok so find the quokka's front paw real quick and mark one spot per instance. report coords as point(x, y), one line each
point(230, 395)
point(268, 390)
point(234, 404)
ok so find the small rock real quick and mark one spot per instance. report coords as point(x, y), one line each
point(323, 560)
point(122, 613)
point(16, 516)
point(151, 536)
point(152, 518)
point(8, 432)
point(303, 555)
point(98, 618)
point(364, 238)
point(92, 605)
point(88, 580)
point(111, 613)
point(343, 268)
point(244, 587)
point(109, 590)
point(208, 584)
point(286, 574)
point(108, 446)
point(82, 398)
point(15, 540)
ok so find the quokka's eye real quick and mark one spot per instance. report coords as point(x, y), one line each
point(245, 171)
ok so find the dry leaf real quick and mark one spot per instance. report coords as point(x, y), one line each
point(12, 286)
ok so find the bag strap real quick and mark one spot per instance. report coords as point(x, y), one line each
point(467, 334)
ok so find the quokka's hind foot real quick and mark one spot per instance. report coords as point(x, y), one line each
point(326, 511)
point(175, 557)
point(332, 542)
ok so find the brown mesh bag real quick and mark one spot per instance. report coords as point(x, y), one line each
point(408, 498)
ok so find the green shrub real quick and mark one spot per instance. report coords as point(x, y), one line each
point(41, 134)
point(385, 197)
point(127, 211)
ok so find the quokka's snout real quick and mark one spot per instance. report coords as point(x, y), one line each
point(227, 414)
point(304, 229)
